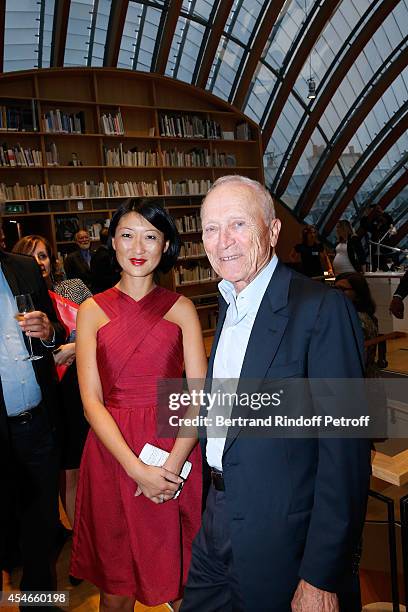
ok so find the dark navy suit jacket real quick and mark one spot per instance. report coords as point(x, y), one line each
point(295, 506)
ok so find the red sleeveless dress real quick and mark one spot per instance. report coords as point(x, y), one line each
point(123, 544)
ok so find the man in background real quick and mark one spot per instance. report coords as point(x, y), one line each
point(103, 273)
point(397, 303)
point(78, 263)
point(29, 458)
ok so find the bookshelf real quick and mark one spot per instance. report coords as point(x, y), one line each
point(74, 142)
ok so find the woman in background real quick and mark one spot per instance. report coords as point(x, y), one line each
point(132, 537)
point(350, 255)
point(74, 427)
point(356, 288)
point(311, 253)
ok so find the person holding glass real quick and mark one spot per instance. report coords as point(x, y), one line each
point(73, 425)
point(132, 536)
point(29, 452)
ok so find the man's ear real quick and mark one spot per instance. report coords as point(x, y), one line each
point(274, 230)
point(166, 246)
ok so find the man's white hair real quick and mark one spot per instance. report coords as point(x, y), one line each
point(262, 194)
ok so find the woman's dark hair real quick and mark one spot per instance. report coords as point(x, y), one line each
point(364, 301)
point(27, 246)
point(152, 211)
point(308, 229)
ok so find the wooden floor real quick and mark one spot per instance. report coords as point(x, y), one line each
point(82, 598)
point(85, 598)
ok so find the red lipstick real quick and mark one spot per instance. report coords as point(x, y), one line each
point(137, 262)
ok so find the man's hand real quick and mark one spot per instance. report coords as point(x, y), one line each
point(65, 354)
point(37, 325)
point(397, 307)
point(308, 598)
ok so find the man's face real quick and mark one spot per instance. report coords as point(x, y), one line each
point(83, 240)
point(237, 240)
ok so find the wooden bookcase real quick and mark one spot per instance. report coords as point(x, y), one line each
point(155, 114)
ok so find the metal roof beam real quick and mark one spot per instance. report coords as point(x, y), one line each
point(117, 18)
point(213, 40)
point(372, 156)
point(323, 14)
point(245, 77)
point(165, 36)
point(355, 117)
point(354, 48)
point(59, 32)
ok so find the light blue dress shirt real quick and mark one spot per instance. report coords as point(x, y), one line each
point(233, 342)
point(20, 388)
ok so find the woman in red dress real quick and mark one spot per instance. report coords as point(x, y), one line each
point(131, 538)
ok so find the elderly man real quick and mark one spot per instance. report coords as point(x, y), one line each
point(283, 516)
point(29, 461)
point(78, 263)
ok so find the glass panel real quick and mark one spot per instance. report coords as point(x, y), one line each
point(101, 29)
point(150, 28)
point(127, 45)
point(199, 8)
point(47, 36)
point(184, 49)
point(260, 90)
point(229, 56)
point(79, 23)
point(22, 23)
point(246, 20)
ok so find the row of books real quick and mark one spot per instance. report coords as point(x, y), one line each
point(132, 188)
point(196, 273)
point(189, 126)
point(83, 189)
point(18, 119)
point(19, 156)
point(197, 157)
point(118, 157)
point(24, 192)
point(188, 223)
point(191, 249)
point(112, 123)
point(65, 123)
point(187, 187)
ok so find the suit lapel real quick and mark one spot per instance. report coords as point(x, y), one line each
point(10, 275)
point(266, 335)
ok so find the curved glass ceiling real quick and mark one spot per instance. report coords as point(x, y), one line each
point(297, 131)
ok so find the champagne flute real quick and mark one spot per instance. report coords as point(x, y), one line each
point(25, 304)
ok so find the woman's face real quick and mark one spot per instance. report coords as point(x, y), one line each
point(138, 244)
point(43, 259)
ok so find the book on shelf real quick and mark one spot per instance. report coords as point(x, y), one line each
point(195, 273)
point(83, 189)
point(187, 187)
point(133, 157)
point(243, 131)
point(19, 156)
point(133, 189)
point(188, 223)
point(52, 154)
point(18, 117)
point(191, 249)
point(188, 126)
point(56, 121)
point(112, 123)
point(24, 192)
